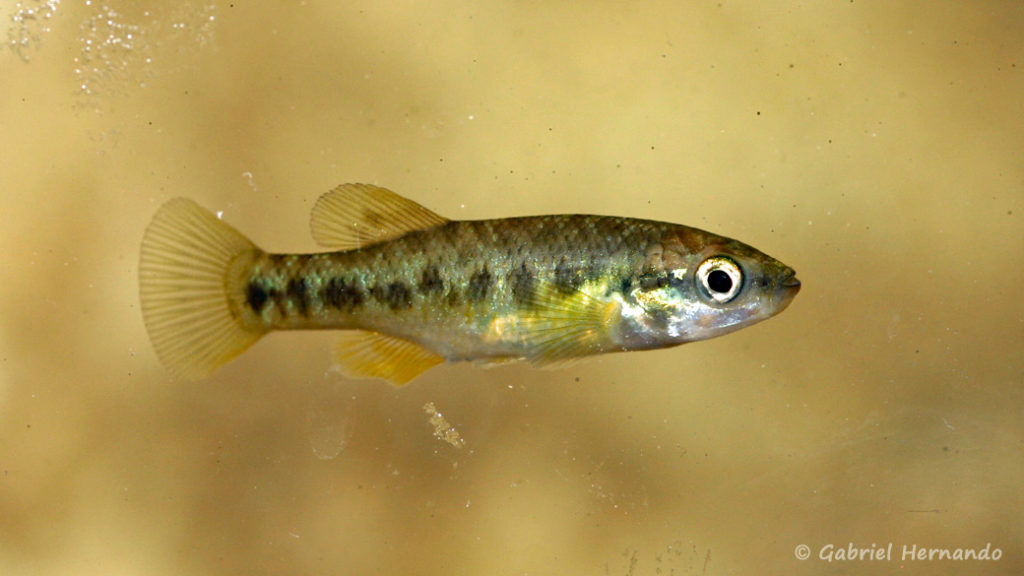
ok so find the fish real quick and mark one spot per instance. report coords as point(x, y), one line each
point(411, 289)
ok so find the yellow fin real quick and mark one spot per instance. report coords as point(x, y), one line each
point(372, 355)
point(356, 215)
point(185, 254)
point(562, 327)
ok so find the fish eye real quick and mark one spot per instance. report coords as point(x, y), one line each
point(720, 278)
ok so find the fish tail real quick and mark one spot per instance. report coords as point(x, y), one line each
point(183, 287)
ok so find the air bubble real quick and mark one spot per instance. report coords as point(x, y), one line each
point(27, 29)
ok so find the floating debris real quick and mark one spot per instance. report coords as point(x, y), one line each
point(442, 429)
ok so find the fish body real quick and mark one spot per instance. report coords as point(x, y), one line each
point(415, 289)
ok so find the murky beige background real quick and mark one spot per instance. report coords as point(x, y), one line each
point(875, 147)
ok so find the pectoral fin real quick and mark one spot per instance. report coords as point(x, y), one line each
point(363, 354)
point(561, 328)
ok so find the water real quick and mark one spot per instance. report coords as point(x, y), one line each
point(876, 149)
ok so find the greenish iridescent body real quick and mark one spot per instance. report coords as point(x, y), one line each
point(417, 289)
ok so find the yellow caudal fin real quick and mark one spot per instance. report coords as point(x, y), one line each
point(371, 355)
point(185, 255)
point(356, 215)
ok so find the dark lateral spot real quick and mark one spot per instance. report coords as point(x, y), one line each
point(256, 296)
point(431, 280)
point(479, 285)
point(625, 284)
point(277, 297)
point(298, 292)
point(342, 295)
point(522, 280)
point(396, 295)
point(568, 278)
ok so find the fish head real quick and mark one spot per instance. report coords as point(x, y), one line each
point(700, 286)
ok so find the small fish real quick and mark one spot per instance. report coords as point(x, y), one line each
point(413, 289)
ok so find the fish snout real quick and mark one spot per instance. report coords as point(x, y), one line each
point(786, 289)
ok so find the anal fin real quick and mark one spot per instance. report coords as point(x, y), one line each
point(362, 354)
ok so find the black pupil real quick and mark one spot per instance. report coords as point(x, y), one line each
point(719, 281)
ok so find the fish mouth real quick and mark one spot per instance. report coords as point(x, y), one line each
point(788, 288)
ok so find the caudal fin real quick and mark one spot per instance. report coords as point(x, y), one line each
point(185, 255)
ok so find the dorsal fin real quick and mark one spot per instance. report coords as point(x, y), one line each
point(357, 215)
